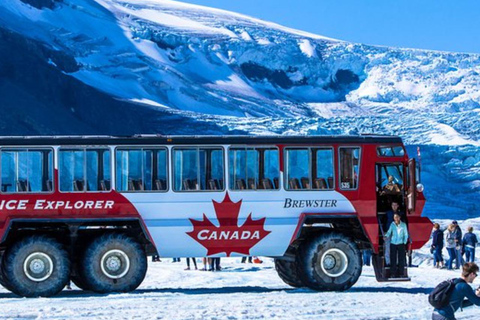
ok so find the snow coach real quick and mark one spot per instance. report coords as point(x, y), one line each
point(90, 209)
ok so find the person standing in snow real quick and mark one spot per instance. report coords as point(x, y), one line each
point(437, 246)
point(367, 257)
point(244, 259)
point(470, 242)
point(399, 237)
point(215, 264)
point(450, 240)
point(457, 233)
point(461, 291)
point(194, 263)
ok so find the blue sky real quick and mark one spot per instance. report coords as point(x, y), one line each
point(445, 25)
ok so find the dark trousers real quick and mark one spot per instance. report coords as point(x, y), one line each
point(215, 264)
point(437, 255)
point(451, 254)
point(367, 256)
point(194, 262)
point(470, 254)
point(244, 259)
point(397, 260)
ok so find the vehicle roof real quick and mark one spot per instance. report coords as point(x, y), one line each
point(179, 140)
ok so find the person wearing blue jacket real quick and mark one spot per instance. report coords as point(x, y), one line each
point(398, 234)
point(470, 242)
point(457, 235)
point(461, 291)
point(437, 246)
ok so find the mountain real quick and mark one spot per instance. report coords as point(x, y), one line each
point(159, 66)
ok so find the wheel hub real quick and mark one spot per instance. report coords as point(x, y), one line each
point(38, 266)
point(115, 264)
point(334, 262)
point(329, 262)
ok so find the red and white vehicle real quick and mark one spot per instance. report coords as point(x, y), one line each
point(91, 209)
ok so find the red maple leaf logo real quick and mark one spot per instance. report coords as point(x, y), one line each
point(228, 237)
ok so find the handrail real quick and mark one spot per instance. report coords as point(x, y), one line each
point(381, 227)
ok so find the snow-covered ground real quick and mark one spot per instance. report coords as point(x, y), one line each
point(239, 291)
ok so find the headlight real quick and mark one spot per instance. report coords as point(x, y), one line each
point(420, 187)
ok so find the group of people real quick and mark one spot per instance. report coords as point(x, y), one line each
point(456, 245)
point(209, 264)
point(396, 238)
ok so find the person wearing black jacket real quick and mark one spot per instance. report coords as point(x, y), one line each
point(437, 246)
point(457, 234)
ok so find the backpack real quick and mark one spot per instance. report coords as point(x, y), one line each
point(440, 296)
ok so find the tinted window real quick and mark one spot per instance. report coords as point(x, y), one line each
point(254, 168)
point(298, 169)
point(323, 169)
point(309, 169)
point(84, 170)
point(27, 170)
point(397, 151)
point(349, 167)
point(198, 169)
point(141, 169)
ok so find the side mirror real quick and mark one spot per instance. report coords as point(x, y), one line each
point(420, 187)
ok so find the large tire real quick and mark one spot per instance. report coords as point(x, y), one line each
point(329, 262)
point(36, 266)
point(288, 272)
point(3, 280)
point(113, 263)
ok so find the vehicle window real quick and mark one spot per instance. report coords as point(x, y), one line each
point(396, 151)
point(83, 170)
point(349, 167)
point(393, 170)
point(141, 170)
point(198, 169)
point(310, 169)
point(323, 169)
point(298, 169)
point(27, 170)
point(254, 168)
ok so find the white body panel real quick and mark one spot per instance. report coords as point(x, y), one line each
point(166, 216)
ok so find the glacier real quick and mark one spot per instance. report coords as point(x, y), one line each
point(166, 67)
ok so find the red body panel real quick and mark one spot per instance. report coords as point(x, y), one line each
point(64, 205)
point(364, 200)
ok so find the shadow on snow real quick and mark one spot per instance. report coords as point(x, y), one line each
point(229, 290)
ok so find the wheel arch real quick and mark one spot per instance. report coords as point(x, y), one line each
point(312, 224)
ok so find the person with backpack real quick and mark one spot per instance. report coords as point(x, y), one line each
point(470, 242)
point(450, 295)
point(437, 246)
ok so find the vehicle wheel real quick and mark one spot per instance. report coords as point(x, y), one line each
point(113, 263)
point(36, 266)
point(3, 280)
point(329, 262)
point(288, 272)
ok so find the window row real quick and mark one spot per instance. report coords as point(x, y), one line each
point(194, 169)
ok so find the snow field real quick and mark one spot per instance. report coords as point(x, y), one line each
point(239, 291)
